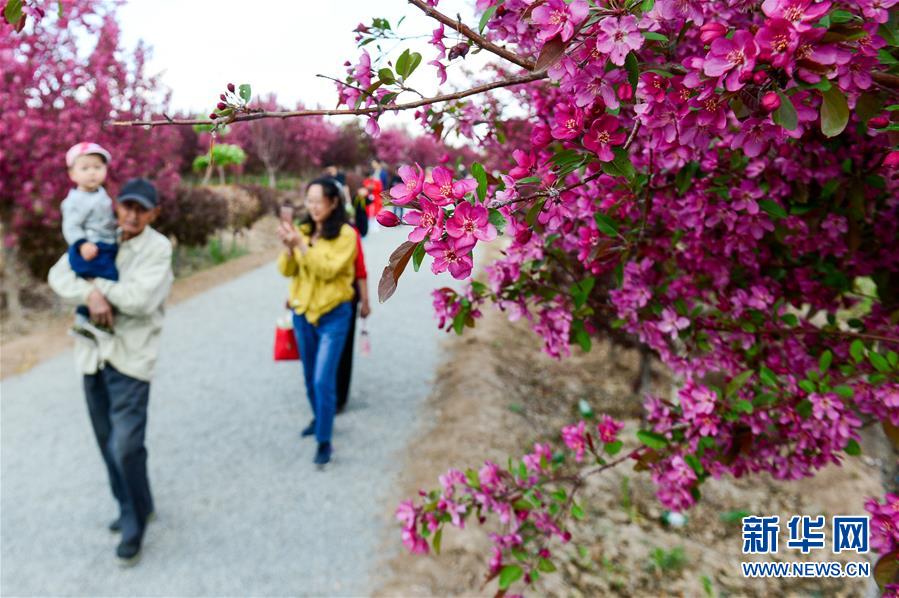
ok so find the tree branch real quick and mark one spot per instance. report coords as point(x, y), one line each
point(519, 80)
point(478, 40)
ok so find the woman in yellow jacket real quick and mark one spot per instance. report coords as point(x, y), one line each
point(319, 259)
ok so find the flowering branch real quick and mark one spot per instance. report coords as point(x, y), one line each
point(478, 40)
point(262, 114)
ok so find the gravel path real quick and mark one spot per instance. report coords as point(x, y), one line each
point(241, 508)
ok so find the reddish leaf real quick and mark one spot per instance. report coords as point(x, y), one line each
point(550, 54)
point(394, 269)
point(886, 571)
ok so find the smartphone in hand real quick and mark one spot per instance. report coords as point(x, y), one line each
point(287, 214)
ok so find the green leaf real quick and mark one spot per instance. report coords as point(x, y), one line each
point(633, 69)
point(386, 76)
point(844, 391)
point(620, 165)
point(534, 211)
point(653, 36)
point(825, 361)
point(694, 462)
point(418, 255)
point(437, 539)
point(585, 409)
point(13, 12)
point(509, 575)
point(808, 386)
point(834, 112)
point(480, 175)
point(733, 516)
point(546, 566)
point(59, 9)
point(879, 362)
point(652, 439)
point(744, 406)
point(772, 208)
point(402, 63)
point(768, 377)
point(519, 553)
point(785, 115)
point(497, 219)
point(804, 408)
point(486, 17)
point(606, 225)
point(577, 512)
point(613, 448)
point(841, 16)
point(245, 92)
point(886, 58)
point(647, 5)
point(857, 350)
point(852, 448)
point(414, 61)
point(737, 382)
point(790, 319)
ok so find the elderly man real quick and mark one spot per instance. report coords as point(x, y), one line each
point(117, 370)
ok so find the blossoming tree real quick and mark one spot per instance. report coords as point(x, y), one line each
point(715, 181)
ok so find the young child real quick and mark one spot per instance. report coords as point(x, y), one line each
point(89, 225)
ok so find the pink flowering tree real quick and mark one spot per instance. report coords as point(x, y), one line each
point(54, 96)
point(715, 182)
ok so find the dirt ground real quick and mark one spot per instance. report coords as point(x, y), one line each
point(44, 332)
point(497, 393)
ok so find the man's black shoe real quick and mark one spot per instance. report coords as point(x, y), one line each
point(323, 454)
point(116, 526)
point(128, 552)
point(308, 430)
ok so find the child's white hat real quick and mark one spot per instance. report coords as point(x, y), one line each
point(84, 148)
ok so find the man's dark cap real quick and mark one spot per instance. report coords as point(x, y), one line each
point(140, 190)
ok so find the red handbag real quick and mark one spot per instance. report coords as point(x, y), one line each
point(285, 344)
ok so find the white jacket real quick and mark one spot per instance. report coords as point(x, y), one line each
point(145, 279)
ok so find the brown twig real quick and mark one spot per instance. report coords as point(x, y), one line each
point(477, 39)
point(519, 80)
point(784, 331)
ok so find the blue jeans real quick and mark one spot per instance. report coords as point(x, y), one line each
point(118, 410)
point(320, 349)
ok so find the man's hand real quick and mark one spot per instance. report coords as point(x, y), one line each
point(88, 250)
point(364, 309)
point(100, 309)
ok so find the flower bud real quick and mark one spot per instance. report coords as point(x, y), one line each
point(221, 105)
point(759, 77)
point(222, 97)
point(213, 116)
point(892, 160)
point(523, 236)
point(625, 92)
point(770, 101)
point(711, 31)
point(387, 218)
point(231, 87)
point(878, 122)
point(460, 50)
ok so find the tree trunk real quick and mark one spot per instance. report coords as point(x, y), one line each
point(221, 170)
point(13, 274)
point(208, 175)
point(271, 177)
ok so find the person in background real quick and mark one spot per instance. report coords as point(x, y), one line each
point(360, 210)
point(378, 171)
point(363, 308)
point(374, 201)
point(395, 179)
point(332, 172)
point(117, 369)
point(319, 257)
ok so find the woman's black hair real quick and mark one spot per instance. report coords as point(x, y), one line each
point(331, 226)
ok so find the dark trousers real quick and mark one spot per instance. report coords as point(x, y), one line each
point(345, 367)
point(118, 410)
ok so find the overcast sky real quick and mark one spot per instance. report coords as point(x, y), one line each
point(275, 45)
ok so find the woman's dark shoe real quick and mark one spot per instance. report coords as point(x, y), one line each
point(323, 454)
point(128, 552)
point(116, 526)
point(308, 430)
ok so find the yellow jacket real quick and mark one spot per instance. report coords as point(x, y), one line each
point(323, 278)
